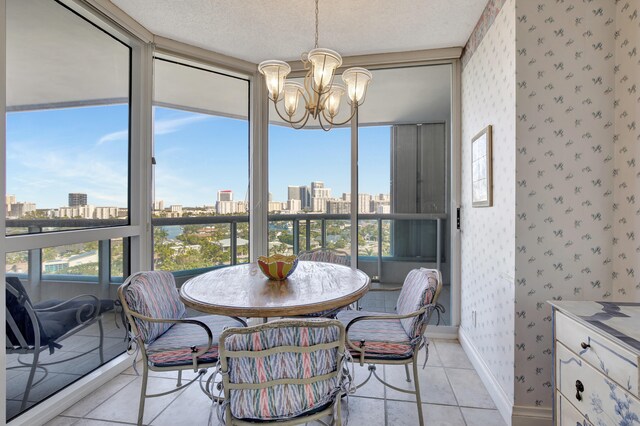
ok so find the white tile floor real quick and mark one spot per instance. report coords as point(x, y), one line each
point(451, 391)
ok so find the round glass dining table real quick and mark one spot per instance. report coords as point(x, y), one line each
point(243, 291)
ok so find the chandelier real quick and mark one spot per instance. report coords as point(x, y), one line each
point(321, 95)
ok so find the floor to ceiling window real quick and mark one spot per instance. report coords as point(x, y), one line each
point(403, 171)
point(67, 169)
point(201, 168)
point(404, 176)
point(309, 185)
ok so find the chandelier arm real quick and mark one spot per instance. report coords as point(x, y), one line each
point(353, 113)
point(320, 121)
point(306, 118)
point(289, 120)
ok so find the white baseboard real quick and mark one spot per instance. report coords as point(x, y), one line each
point(56, 404)
point(442, 332)
point(499, 396)
point(532, 416)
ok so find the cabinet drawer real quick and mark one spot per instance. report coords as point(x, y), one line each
point(603, 354)
point(601, 401)
point(568, 415)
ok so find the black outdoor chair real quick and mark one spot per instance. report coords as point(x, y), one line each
point(32, 329)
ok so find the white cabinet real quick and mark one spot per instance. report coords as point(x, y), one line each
point(596, 359)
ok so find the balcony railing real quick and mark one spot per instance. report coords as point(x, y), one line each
point(301, 240)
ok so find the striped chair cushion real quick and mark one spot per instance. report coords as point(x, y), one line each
point(327, 256)
point(284, 400)
point(384, 338)
point(418, 290)
point(154, 294)
point(173, 348)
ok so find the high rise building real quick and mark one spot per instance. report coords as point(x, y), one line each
point(276, 206)
point(20, 209)
point(364, 203)
point(294, 193)
point(319, 204)
point(294, 206)
point(225, 195)
point(321, 193)
point(158, 205)
point(9, 200)
point(83, 211)
point(338, 207)
point(380, 207)
point(305, 197)
point(77, 199)
point(105, 213)
point(225, 207)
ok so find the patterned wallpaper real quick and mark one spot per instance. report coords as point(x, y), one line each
point(564, 172)
point(626, 174)
point(488, 234)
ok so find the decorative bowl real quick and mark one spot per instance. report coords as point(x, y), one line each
point(277, 267)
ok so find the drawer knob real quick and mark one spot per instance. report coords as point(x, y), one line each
point(585, 345)
point(579, 389)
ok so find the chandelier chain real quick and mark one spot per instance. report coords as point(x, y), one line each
point(316, 45)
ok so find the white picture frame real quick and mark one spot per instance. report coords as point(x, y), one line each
point(481, 169)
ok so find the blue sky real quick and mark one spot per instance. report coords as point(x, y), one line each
point(53, 152)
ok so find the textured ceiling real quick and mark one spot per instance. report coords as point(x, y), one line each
point(265, 29)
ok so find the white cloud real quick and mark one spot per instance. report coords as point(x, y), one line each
point(160, 127)
point(163, 127)
point(120, 135)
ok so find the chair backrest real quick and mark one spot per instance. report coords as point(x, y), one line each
point(152, 294)
point(281, 369)
point(421, 287)
point(21, 318)
point(326, 255)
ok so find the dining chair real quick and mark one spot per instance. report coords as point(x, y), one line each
point(327, 255)
point(285, 372)
point(380, 338)
point(166, 339)
point(34, 328)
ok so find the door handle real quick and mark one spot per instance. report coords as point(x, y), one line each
point(579, 389)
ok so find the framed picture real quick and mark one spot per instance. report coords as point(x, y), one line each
point(481, 169)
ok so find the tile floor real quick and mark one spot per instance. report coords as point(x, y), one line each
point(451, 391)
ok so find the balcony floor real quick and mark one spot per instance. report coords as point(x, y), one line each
point(451, 390)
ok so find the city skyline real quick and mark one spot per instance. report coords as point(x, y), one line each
point(46, 163)
point(17, 208)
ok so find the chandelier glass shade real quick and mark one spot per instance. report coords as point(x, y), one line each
point(320, 94)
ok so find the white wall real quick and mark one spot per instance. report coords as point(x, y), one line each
point(488, 233)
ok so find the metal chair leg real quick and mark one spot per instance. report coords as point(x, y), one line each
point(338, 420)
point(416, 381)
point(143, 394)
point(179, 378)
point(32, 374)
point(406, 370)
